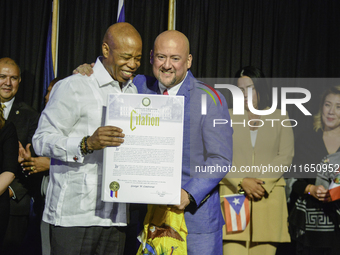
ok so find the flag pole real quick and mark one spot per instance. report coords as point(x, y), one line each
point(54, 39)
point(172, 15)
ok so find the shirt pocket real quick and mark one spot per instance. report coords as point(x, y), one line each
point(91, 193)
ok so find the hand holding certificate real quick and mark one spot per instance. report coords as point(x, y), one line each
point(147, 167)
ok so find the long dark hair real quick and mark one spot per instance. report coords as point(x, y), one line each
point(263, 89)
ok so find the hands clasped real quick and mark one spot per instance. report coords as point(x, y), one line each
point(253, 188)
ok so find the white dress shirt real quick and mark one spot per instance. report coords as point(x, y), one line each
point(75, 110)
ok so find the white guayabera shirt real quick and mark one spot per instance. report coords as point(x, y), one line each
point(75, 110)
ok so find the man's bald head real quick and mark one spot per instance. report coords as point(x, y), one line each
point(119, 31)
point(176, 36)
point(122, 51)
point(170, 57)
point(9, 61)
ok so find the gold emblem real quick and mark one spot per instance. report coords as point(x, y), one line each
point(146, 101)
point(114, 186)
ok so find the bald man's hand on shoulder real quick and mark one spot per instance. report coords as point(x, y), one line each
point(84, 69)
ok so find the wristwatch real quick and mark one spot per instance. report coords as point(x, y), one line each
point(191, 198)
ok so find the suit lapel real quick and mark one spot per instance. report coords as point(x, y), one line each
point(186, 87)
point(155, 88)
point(14, 111)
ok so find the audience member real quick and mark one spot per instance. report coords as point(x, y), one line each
point(25, 119)
point(314, 221)
point(257, 143)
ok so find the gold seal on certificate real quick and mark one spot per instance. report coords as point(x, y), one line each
point(146, 101)
point(114, 187)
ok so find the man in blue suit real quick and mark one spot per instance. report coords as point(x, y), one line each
point(203, 144)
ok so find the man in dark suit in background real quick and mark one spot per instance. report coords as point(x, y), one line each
point(24, 187)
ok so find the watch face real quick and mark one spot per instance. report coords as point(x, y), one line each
point(146, 101)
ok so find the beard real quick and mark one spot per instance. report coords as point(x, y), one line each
point(166, 82)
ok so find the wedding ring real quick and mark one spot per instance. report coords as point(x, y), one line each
point(32, 168)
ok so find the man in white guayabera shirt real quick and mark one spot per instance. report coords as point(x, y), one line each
point(70, 133)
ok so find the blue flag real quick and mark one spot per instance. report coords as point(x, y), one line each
point(121, 11)
point(48, 66)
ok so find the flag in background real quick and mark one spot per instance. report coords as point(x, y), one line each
point(48, 65)
point(121, 11)
point(237, 212)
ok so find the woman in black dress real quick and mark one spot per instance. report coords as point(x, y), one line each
point(9, 147)
point(314, 221)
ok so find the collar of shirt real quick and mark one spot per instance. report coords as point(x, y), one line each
point(104, 78)
point(8, 107)
point(172, 91)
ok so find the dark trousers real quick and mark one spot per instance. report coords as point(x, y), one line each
point(87, 240)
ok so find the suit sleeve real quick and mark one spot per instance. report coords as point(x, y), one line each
point(217, 149)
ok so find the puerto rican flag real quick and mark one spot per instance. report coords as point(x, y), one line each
point(237, 212)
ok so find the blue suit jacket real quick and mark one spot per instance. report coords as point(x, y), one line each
point(203, 145)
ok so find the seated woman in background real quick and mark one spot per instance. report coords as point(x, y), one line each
point(8, 167)
point(314, 221)
point(259, 142)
